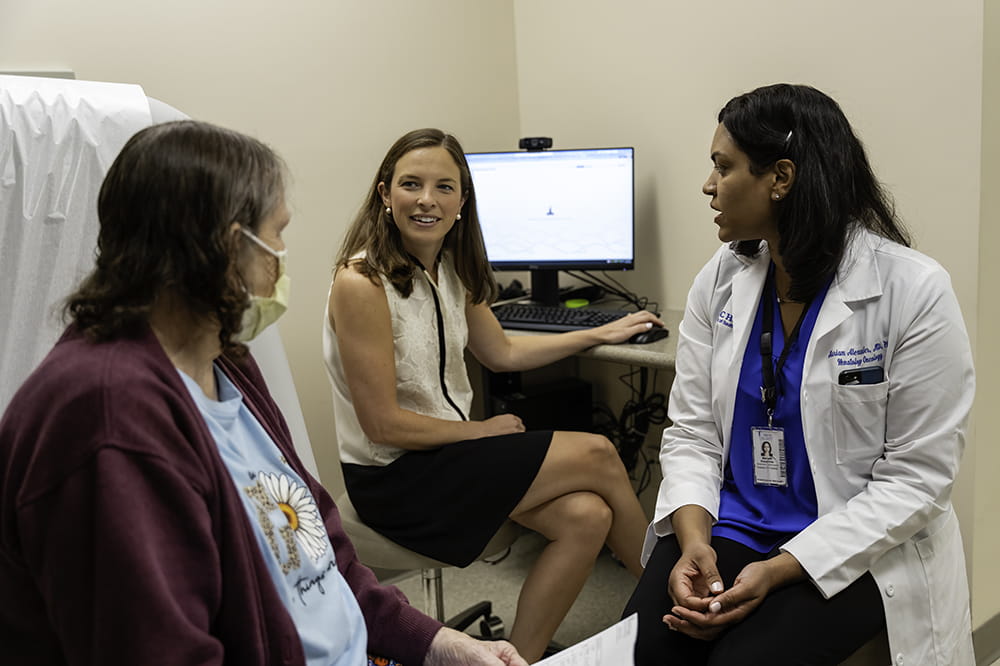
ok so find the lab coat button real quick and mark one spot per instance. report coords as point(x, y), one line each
point(890, 590)
point(899, 659)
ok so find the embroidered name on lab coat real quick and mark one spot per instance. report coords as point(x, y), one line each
point(862, 355)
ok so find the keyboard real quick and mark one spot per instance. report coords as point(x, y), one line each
point(553, 317)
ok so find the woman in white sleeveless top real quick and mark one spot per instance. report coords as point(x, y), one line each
point(411, 292)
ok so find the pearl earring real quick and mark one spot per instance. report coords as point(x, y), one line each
point(388, 210)
point(775, 196)
point(458, 217)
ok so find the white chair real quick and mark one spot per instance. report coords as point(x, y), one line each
point(269, 352)
point(390, 561)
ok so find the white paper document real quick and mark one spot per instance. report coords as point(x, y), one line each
point(614, 646)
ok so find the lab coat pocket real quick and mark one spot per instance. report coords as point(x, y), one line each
point(859, 420)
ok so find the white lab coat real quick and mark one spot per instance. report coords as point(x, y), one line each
point(883, 456)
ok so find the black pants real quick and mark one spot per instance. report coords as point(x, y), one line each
point(793, 625)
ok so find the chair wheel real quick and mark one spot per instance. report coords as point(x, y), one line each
point(491, 628)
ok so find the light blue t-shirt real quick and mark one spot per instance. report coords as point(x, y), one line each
point(289, 530)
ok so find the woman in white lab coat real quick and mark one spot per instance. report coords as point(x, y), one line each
point(819, 331)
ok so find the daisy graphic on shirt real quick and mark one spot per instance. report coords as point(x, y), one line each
point(297, 503)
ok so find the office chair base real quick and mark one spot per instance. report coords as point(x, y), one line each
point(553, 648)
point(491, 627)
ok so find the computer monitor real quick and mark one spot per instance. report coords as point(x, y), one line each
point(551, 210)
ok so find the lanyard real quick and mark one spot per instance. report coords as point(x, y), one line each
point(768, 370)
point(442, 348)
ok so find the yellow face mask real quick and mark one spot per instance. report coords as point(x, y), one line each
point(265, 310)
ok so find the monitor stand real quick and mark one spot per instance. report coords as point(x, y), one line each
point(545, 286)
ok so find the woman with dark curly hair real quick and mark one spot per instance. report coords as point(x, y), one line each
point(152, 507)
point(822, 391)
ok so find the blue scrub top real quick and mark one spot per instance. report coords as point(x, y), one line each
point(762, 517)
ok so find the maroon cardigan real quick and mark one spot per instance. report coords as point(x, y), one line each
point(122, 537)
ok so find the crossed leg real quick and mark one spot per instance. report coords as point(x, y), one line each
point(580, 499)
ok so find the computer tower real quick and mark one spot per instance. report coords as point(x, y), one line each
point(564, 404)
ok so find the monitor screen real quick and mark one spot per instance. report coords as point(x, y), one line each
point(553, 210)
point(556, 209)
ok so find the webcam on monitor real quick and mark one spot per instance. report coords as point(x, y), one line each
point(535, 143)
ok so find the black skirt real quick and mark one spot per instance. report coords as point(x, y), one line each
point(447, 503)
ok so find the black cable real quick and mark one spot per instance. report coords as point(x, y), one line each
point(622, 288)
point(628, 429)
point(590, 278)
point(615, 289)
point(646, 476)
point(603, 283)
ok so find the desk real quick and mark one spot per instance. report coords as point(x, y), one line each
point(657, 355)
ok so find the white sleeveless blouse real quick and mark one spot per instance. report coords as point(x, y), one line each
point(421, 385)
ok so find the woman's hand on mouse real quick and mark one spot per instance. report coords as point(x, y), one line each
point(622, 329)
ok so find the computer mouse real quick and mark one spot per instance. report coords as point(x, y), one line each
point(652, 335)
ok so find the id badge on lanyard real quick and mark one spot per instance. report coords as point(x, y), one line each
point(770, 466)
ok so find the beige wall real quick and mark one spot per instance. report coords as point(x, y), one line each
point(654, 75)
point(332, 83)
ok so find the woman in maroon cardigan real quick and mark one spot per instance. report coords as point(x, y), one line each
point(123, 536)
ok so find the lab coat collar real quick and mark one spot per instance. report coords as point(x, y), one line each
point(747, 286)
point(857, 279)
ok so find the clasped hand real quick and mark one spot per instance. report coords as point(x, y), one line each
point(703, 608)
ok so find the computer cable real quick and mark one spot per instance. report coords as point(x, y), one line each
point(614, 289)
point(628, 430)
